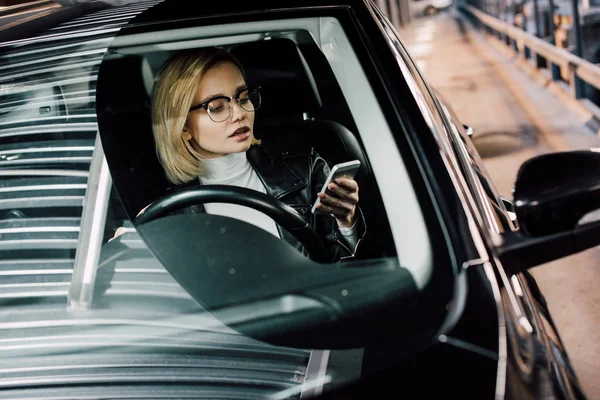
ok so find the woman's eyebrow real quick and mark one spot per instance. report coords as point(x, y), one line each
point(217, 95)
point(211, 97)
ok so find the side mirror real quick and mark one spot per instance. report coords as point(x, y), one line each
point(555, 197)
point(555, 191)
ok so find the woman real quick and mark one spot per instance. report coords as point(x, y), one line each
point(203, 120)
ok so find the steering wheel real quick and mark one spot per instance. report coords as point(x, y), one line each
point(284, 215)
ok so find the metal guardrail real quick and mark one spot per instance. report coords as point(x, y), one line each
point(577, 66)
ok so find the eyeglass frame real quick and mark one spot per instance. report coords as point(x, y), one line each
point(229, 99)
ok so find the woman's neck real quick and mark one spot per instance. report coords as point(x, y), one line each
point(226, 169)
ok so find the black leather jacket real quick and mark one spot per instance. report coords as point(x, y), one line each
point(294, 173)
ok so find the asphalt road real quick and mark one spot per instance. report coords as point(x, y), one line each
point(515, 118)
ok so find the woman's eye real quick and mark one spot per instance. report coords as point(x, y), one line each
point(216, 106)
point(244, 101)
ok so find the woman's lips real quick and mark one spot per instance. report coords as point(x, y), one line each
point(240, 134)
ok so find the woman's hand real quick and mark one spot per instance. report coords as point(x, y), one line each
point(340, 200)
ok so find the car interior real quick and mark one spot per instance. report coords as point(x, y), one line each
point(302, 103)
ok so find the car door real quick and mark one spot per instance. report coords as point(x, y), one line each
point(531, 366)
point(539, 363)
point(484, 307)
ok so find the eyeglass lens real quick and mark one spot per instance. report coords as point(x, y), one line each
point(220, 109)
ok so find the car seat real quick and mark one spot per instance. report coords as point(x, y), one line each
point(293, 105)
point(291, 102)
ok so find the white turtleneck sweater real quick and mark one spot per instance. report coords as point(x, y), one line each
point(234, 169)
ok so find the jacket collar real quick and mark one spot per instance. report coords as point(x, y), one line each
point(279, 179)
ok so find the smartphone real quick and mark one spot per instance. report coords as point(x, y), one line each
point(347, 169)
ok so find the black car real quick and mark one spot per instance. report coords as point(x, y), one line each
point(108, 292)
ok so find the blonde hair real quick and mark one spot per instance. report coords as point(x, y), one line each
point(174, 90)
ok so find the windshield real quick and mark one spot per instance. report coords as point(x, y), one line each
point(111, 272)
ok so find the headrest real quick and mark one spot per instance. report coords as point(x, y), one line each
point(288, 87)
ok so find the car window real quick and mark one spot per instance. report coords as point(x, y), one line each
point(76, 269)
point(325, 53)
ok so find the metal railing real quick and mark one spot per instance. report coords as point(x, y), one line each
point(577, 67)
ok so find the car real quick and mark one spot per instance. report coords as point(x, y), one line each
point(108, 292)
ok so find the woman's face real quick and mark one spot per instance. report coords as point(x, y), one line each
point(216, 139)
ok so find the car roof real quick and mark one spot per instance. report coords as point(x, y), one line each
point(177, 10)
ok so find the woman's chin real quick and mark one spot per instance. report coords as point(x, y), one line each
point(231, 146)
point(244, 145)
point(239, 147)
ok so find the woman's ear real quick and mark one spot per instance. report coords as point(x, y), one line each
point(186, 134)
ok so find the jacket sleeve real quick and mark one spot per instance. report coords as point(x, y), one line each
point(326, 225)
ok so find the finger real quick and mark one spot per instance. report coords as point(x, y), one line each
point(335, 202)
point(342, 192)
point(339, 190)
point(335, 211)
point(347, 183)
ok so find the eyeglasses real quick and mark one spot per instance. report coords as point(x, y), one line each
point(219, 108)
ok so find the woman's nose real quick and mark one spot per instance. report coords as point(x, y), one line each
point(237, 112)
